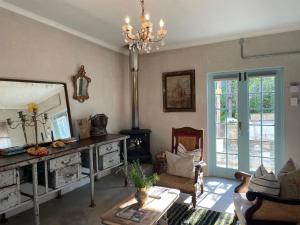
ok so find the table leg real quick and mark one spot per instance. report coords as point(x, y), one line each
point(92, 178)
point(97, 162)
point(3, 218)
point(163, 220)
point(125, 162)
point(59, 195)
point(46, 177)
point(35, 194)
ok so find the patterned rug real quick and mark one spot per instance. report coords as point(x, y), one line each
point(182, 214)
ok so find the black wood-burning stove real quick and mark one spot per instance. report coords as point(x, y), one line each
point(138, 145)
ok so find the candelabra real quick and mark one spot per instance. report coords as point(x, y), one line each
point(29, 122)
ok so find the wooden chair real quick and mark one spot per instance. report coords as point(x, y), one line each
point(191, 139)
point(254, 208)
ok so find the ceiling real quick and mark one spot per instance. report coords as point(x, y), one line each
point(17, 95)
point(189, 22)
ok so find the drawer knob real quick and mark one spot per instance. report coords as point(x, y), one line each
point(69, 175)
point(67, 161)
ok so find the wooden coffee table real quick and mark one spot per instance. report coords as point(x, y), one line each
point(155, 208)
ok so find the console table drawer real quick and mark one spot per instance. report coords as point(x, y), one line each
point(111, 147)
point(9, 197)
point(64, 161)
point(8, 178)
point(109, 160)
point(64, 176)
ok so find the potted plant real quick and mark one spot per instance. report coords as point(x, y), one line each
point(141, 181)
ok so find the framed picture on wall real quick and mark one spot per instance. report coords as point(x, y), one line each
point(179, 91)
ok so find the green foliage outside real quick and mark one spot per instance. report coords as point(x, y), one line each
point(138, 177)
point(257, 101)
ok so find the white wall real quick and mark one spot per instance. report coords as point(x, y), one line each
point(212, 58)
point(31, 50)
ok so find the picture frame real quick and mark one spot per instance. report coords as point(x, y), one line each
point(179, 91)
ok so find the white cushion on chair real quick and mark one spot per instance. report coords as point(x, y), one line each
point(182, 151)
point(180, 166)
point(241, 205)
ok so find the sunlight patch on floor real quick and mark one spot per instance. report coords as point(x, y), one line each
point(217, 195)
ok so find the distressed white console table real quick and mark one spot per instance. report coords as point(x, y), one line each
point(9, 170)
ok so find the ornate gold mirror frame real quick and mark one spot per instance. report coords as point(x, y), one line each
point(81, 84)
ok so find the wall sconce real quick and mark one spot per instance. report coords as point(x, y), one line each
point(294, 90)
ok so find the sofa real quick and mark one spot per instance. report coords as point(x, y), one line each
point(253, 208)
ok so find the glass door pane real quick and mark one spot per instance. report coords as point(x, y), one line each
point(261, 97)
point(226, 123)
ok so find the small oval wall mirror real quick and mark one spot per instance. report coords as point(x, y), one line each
point(81, 84)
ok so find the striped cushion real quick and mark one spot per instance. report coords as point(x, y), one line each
point(264, 182)
point(261, 171)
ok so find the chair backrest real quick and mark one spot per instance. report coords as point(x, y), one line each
point(189, 137)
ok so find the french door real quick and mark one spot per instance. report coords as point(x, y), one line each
point(245, 121)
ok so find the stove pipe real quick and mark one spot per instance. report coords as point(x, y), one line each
point(134, 69)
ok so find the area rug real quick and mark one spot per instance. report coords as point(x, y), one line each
point(182, 214)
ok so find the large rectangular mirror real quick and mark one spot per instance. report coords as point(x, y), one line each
point(50, 99)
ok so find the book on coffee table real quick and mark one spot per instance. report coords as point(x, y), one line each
point(133, 213)
point(127, 212)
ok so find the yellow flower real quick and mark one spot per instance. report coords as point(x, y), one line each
point(32, 106)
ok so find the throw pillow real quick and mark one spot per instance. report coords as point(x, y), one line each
point(261, 171)
point(182, 166)
point(289, 178)
point(263, 182)
point(290, 185)
point(182, 151)
point(289, 166)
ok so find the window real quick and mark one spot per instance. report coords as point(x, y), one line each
point(4, 138)
point(61, 128)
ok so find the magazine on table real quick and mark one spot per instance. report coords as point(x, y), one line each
point(134, 214)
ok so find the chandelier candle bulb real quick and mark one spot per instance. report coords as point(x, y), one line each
point(161, 23)
point(127, 20)
point(147, 16)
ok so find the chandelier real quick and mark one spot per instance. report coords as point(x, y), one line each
point(144, 39)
